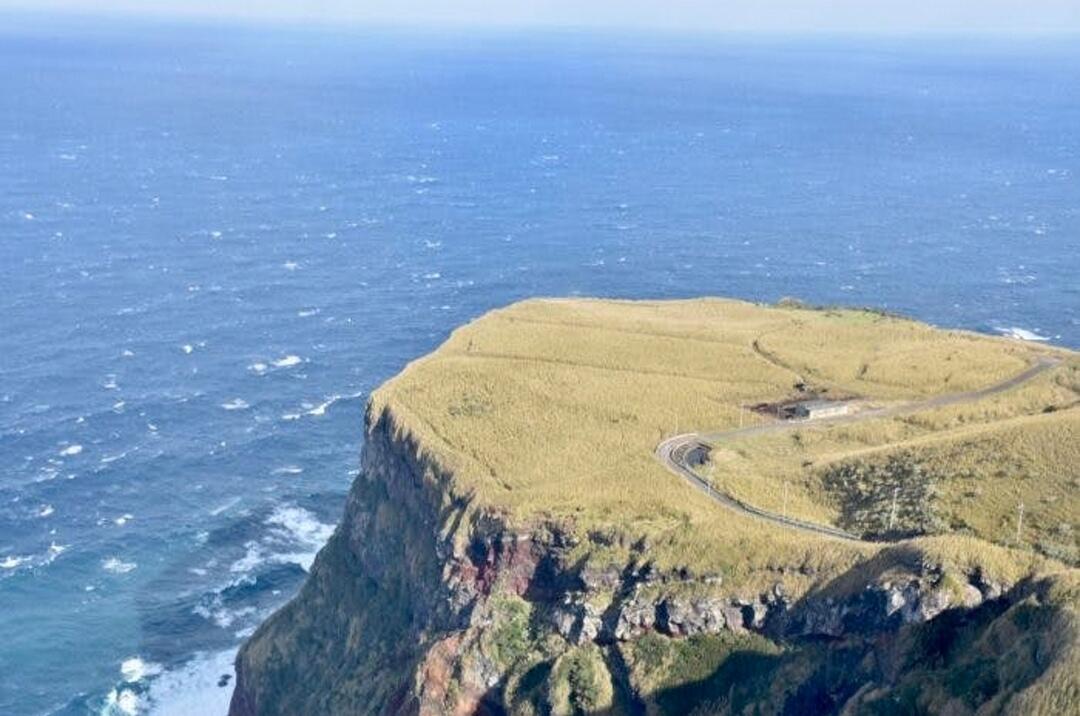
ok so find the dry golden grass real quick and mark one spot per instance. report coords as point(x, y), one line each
point(986, 458)
point(987, 471)
point(889, 357)
point(552, 408)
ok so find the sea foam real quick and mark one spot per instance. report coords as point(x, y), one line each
point(203, 685)
point(12, 562)
point(1021, 334)
point(295, 536)
point(135, 669)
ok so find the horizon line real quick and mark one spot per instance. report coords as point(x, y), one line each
point(346, 24)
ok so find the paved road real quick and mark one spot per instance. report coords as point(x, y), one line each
point(679, 452)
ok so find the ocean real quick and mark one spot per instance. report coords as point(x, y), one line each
point(215, 241)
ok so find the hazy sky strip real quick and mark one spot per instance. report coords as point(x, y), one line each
point(1000, 16)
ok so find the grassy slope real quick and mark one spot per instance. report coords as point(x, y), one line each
point(986, 458)
point(551, 409)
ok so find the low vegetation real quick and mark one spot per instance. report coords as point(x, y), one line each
point(509, 640)
point(674, 675)
point(580, 683)
point(890, 499)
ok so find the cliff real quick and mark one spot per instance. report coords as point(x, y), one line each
point(436, 595)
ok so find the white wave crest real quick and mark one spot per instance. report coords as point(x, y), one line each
point(295, 537)
point(135, 669)
point(321, 408)
point(113, 458)
point(227, 505)
point(12, 562)
point(288, 361)
point(121, 702)
point(117, 566)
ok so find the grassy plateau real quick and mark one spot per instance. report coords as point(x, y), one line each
point(551, 410)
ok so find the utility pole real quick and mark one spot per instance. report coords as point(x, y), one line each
point(1019, 521)
point(892, 512)
point(785, 499)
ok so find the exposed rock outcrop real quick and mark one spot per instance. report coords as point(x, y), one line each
point(423, 602)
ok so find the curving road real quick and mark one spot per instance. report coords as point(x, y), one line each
point(678, 453)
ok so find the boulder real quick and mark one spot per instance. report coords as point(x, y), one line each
point(677, 616)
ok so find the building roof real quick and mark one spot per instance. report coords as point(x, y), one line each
point(820, 403)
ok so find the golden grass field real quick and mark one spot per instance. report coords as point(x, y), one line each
point(551, 409)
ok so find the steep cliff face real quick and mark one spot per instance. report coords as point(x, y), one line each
point(424, 602)
point(392, 597)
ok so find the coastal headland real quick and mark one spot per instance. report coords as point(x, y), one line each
point(650, 507)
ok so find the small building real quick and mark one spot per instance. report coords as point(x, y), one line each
point(814, 409)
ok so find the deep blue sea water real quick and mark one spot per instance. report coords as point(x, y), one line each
point(215, 241)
